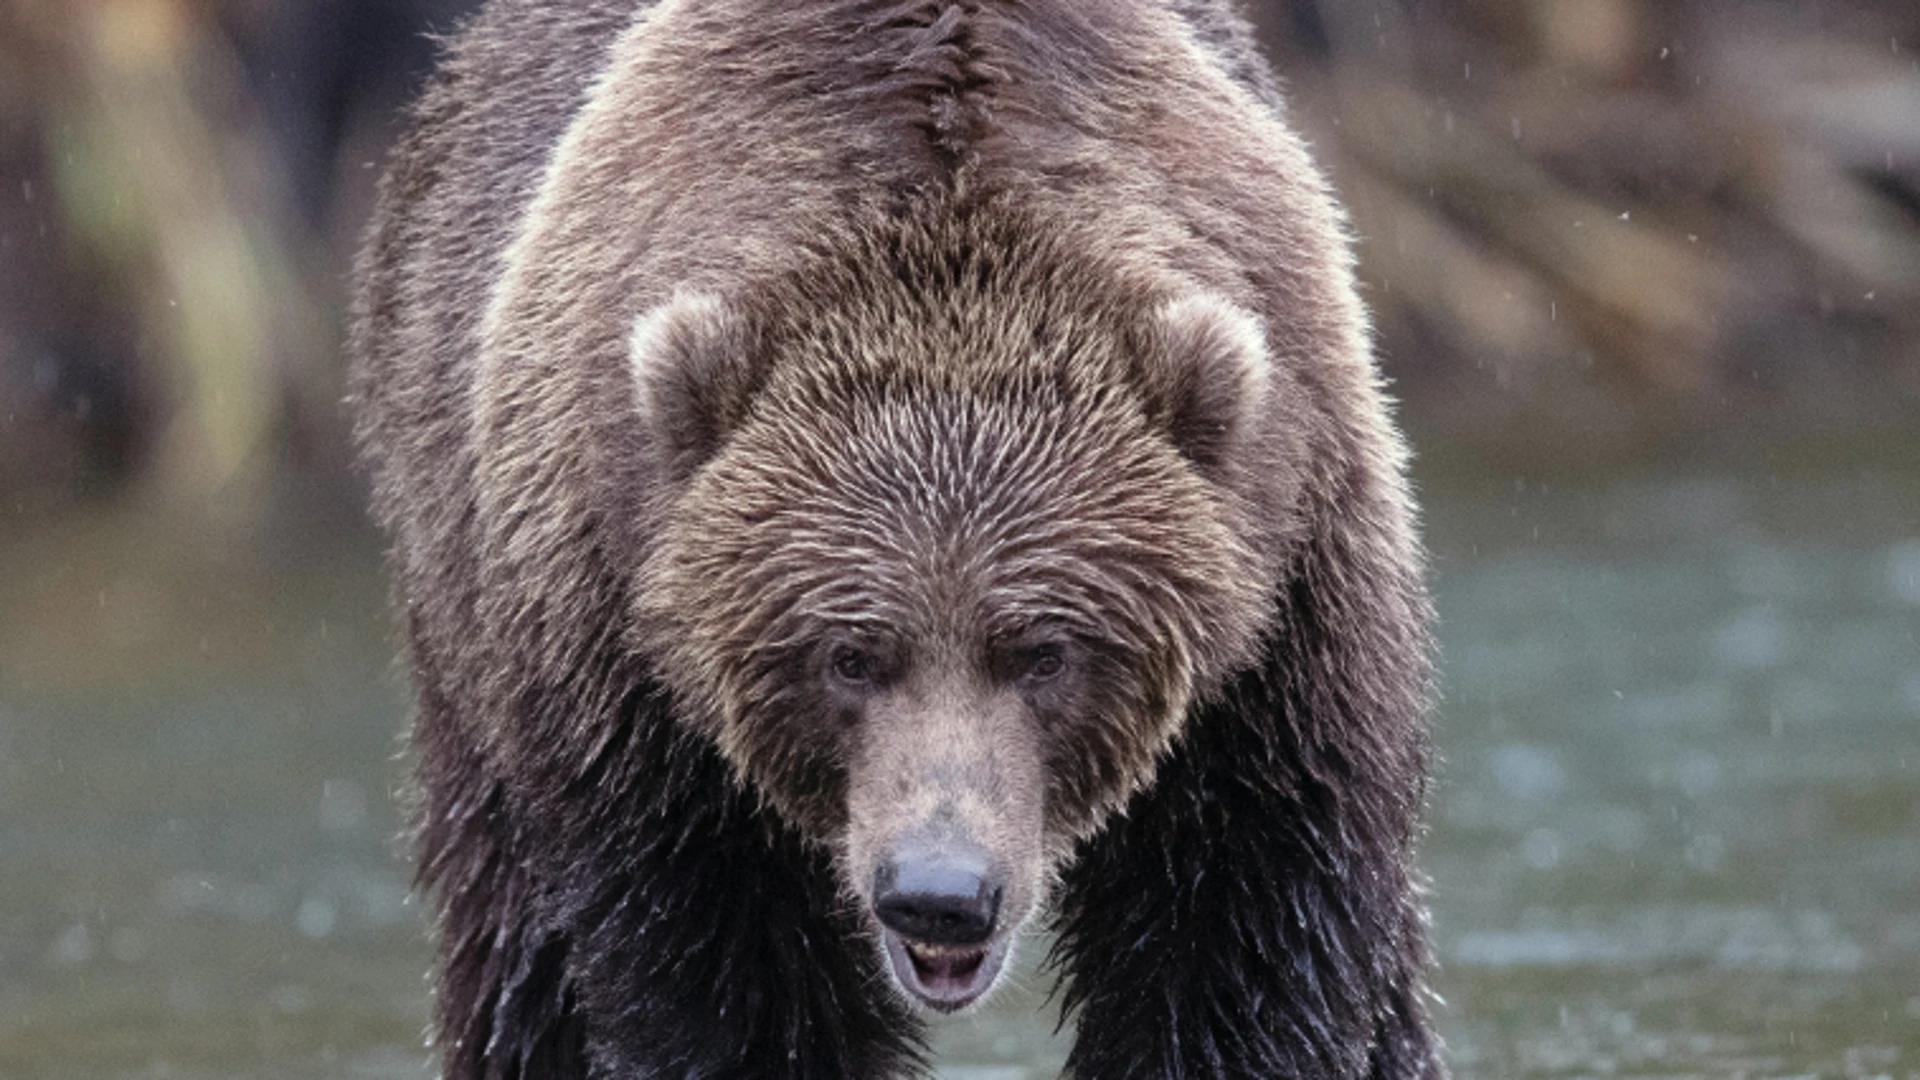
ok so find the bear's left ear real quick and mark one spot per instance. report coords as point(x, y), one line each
point(694, 375)
point(1206, 374)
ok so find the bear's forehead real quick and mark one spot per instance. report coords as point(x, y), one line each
point(954, 473)
point(950, 516)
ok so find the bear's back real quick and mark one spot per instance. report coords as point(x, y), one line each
point(570, 168)
point(482, 138)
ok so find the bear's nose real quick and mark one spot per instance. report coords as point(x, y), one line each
point(937, 897)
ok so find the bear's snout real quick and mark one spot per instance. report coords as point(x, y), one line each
point(938, 905)
point(938, 896)
point(945, 841)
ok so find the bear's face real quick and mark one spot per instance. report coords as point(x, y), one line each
point(943, 569)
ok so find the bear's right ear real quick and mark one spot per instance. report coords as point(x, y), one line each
point(693, 377)
point(1205, 373)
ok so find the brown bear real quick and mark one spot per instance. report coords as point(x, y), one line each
point(869, 477)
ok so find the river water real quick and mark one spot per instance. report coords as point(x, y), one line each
point(1676, 830)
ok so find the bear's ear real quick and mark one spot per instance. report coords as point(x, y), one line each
point(694, 375)
point(1206, 375)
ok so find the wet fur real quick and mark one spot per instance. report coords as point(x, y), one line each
point(612, 900)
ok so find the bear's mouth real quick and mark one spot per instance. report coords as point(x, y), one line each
point(945, 978)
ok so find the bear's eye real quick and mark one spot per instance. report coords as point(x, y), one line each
point(1045, 663)
point(852, 666)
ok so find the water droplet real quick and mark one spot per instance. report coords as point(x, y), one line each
point(315, 917)
point(288, 998)
point(1903, 571)
point(73, 947)
point(1527, 771)
point(343, 806)
point(1754, 638)
point(1705, 851)
point(1541, 849)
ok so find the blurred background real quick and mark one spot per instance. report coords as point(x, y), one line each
point(1647, 280)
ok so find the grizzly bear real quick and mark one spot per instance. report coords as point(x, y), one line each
point(870, 478)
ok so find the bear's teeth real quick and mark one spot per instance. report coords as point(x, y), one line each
point(929, 953)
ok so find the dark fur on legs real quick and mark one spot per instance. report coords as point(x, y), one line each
point(520, 965)
point(505, 1005)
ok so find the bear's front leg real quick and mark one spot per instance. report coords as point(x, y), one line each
point(704, 937)
point(649, 921)
point(502, 1006)
point(1243, 919)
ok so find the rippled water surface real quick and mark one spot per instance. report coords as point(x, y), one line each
point(1676, 832)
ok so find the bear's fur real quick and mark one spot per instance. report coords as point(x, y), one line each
point(813, 436)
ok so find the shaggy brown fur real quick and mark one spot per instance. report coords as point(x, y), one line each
point(808, 431)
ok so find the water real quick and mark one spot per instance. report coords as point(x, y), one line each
point(1676, 831)
point(1678, 828)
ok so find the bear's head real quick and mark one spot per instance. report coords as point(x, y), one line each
point(956, 526)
